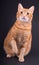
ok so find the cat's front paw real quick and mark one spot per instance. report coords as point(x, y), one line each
point(21, 59)
point(8, 56)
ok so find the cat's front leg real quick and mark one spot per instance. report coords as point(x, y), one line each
point(22, 54)
point(14, 46)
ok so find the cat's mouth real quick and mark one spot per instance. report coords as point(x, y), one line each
point(23, 19)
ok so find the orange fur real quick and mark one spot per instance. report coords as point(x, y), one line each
point(18, 39)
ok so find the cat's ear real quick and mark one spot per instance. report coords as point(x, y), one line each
point(20, 6)
point(31, 9)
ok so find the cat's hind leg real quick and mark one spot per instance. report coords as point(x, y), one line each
point(10, 48)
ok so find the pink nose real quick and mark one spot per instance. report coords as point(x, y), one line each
point(24, 17)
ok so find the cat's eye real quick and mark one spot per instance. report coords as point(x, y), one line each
point(27, 13)
point(21, 12)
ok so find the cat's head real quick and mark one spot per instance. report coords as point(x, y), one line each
point(25, 14)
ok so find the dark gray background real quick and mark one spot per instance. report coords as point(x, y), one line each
point(8, 9)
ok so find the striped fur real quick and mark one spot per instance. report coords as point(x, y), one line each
point(18, 39)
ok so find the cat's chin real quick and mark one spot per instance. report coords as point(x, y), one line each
point(24, 21)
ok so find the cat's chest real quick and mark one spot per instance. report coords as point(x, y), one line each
point(21, 35)
point(21, 38)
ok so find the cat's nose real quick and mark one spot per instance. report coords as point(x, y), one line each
point(24, 17)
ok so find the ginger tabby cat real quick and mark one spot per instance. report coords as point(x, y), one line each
point(18, 39)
